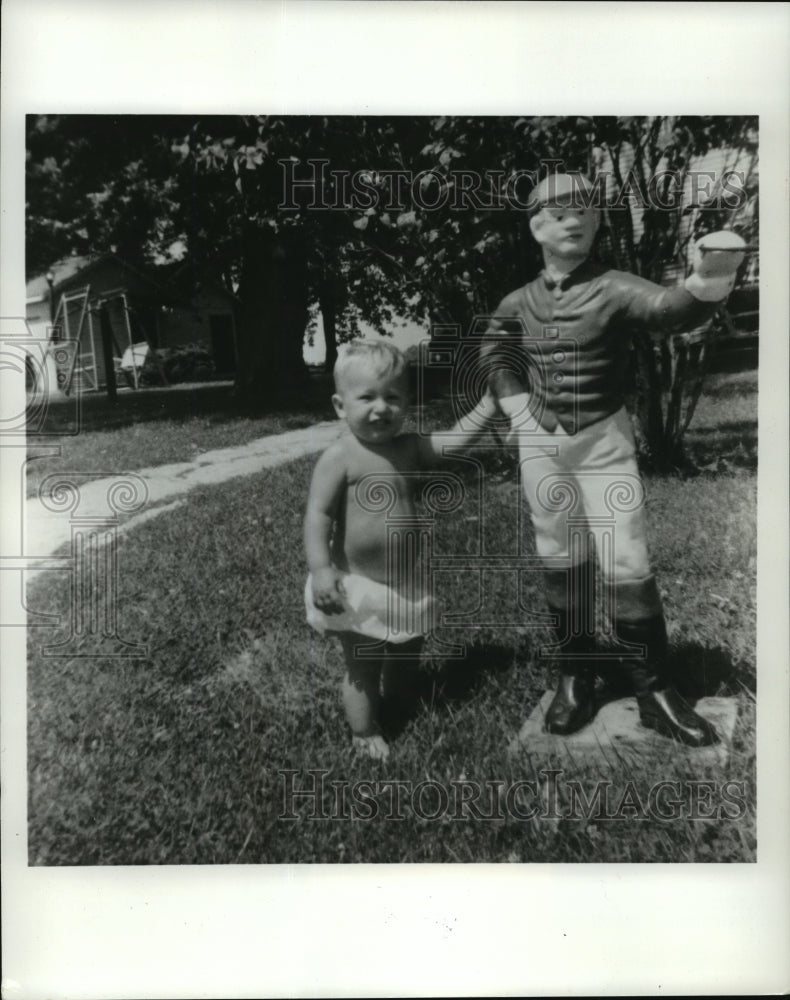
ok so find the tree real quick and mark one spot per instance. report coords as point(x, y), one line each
point(655, 159)
point(94, 182)
point(370, 218)
point(467, 260)
point(284, 184)
point(152, 187)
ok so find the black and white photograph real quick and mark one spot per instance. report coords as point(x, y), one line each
point(398, 483)
point(353, 346)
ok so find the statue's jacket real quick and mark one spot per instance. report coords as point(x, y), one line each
point(571, 339)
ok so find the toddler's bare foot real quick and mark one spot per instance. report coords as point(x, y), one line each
point(374, 747)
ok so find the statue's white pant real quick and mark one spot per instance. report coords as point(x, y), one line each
point(580, 484)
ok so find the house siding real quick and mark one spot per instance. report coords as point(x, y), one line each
point(141, 308)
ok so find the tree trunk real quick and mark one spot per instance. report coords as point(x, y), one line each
point(328, 305)
point(273, 316)
point(669, 380)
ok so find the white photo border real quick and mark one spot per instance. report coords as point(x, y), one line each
point(299, 930)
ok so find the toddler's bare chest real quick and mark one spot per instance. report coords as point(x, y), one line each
point(381, 492)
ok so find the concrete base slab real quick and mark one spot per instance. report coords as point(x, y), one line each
point(616, 736)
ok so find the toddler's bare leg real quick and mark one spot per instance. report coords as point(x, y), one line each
point(362, 698)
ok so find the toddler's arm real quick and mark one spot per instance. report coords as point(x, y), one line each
point(445, 444)
point(512, 396)
point(501, 338)
point(326, 490)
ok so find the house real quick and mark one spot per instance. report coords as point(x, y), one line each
point(165, 308)
point(200, 311)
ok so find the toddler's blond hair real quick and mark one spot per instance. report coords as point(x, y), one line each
point(378, 356)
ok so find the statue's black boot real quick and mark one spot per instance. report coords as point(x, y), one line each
point(573, 705)
point(661, 707)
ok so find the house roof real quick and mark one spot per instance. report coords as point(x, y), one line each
point(62, 270)
point(176, 280)
point(65, 271)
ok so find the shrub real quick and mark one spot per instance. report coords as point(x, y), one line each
point(190, 363)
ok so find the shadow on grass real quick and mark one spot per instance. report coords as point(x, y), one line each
point(442, 683)
point(697, 672)
point(701, 672)
point(458, 680)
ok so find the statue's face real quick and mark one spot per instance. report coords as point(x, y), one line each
point(565, 232)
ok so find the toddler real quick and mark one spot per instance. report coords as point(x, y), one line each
point(366, 578)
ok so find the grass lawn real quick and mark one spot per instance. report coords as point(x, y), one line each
point(176, 758)
point(157, 426)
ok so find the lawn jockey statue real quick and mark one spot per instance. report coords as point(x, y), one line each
point(571, 327)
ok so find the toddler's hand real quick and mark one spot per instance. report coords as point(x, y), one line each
point(503, 383)
point(488, 405)
point(328, 591)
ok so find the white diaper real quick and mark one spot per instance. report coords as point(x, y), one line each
point(373, 609)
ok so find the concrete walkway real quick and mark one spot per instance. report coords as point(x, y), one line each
point(134, 497)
